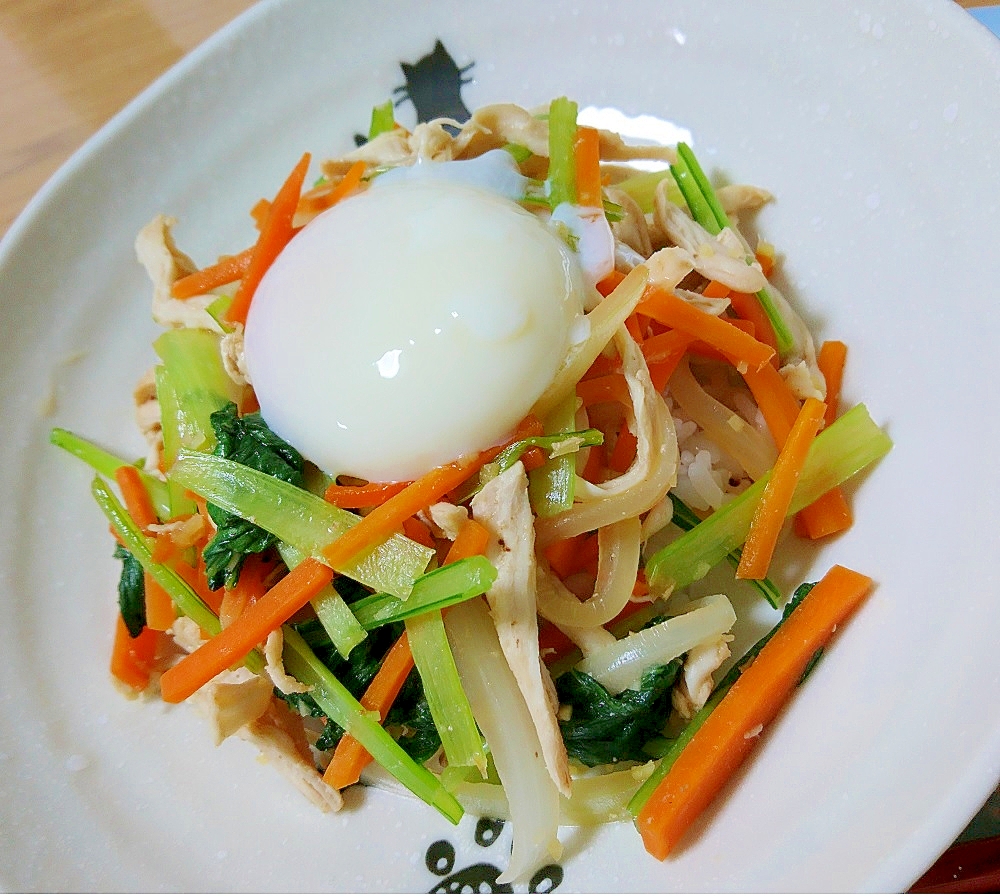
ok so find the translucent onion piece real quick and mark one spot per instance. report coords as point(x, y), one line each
point(600, 797)
point(652, 474)
point(504, 719)
point(603, 321)
point(622, 666)
point(752, 449)
point(617, 565)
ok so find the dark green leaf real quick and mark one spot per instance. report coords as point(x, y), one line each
point(131, 592)
point(606, 728)
point(249, 441)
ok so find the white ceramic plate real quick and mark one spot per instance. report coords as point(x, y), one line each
point(874, 123)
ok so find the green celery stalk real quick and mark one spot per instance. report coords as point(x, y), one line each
point(340, 624)
point(552, 486)
point(642, 188)
point(172, 423)
point(299, 518)
point(184, 598)
point(708, 211)
point(686, 519)
point(340, 706)
point(562, 158)
point(383, 119)
point(105, 463)
point(449, 705)
point(846, 447)
point(435, 590)
point(200, 384)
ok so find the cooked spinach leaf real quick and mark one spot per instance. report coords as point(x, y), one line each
point(131, 592)
point(409, 718)
point(249, 441)
point(606, 728)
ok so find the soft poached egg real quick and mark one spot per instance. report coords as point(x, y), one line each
point(409, 325)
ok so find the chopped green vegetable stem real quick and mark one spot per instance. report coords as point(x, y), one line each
point(340, 706)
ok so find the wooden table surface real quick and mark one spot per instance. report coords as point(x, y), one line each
point(67, 66)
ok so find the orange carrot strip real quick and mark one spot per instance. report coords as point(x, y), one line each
point(132, 658)
point(160, 611)
point(663, 352)
point(769, 515)
point(623, 453)
point(350, 758)
point(610, 387)
point(830, 513)
point(416, 530)
point(777, 404)
point(831, 359)
point(765, 258)
point(388, 517)
point(228, 270)
point(739, 347)
point(326, 196)
point(352, 497)
point(729, 733)
point(715, 290)
point(260, 211)
point(470, 541)
point(747, 307)
point(587, 153)
point(274, 236)
point(578, 553)
point(135, 496)
point(827, 515)
point(249, 588)
point(233, 643)
point(607, 286)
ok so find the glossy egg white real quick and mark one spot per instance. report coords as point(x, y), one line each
point(409, 325)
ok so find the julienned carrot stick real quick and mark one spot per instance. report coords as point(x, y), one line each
point(769, 516)
point(275, 233)
point(132, 658)
point(321, 199)
point(831, 359)
point(748, 307)
point(739, 347)
point(388, 518)
point(233, 643)
point(135, 496)
point(830, 513)
point(587, 150)
point(160, 612)
point(228, 270)
point(350, 758)
point(351, 497)
point(610, 387)
point(470, 541)
point(730, 731)
point(777, 404)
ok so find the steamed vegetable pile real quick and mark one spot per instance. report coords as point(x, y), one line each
point(519, 632)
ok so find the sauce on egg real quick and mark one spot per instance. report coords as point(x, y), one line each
point(411, 324)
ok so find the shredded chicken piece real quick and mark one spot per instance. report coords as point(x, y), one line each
point(632, 229)
point(697, 683)
point(165, 263)
point(234, 360)
point(275, 666)
point(148, 419)
point(720, 257)
point(233, 700)
point(446, 519)
point(736, 198)
point(280, 737)
point(502, 506)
